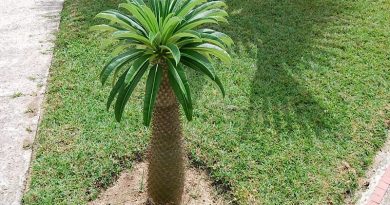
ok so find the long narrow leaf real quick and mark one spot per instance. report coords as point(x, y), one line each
point(196, 60)
point(225, 38)
point(179, 90)
point(194, 24)
point(213, 50)
point(115, 89)
point(117, 62)
point(152, 85)
point(188, 6)
point(219, 83)
point(174, 51)
point(104, 28)
point(114, 18)
point(132, 36)
point(139, 68)
point(183, 77)
point(133, 9)
point(207, 6)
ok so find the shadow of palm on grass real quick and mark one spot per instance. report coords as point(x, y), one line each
point(288, 134)
point(283, 35)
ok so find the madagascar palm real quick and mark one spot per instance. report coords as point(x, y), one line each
point(163, 38)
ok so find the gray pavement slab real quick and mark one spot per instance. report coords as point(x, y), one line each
point(27, 31)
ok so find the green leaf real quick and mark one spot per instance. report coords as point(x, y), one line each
point(103, 28)
point(117, 17)
point(209, 38)
point(188, 6)
point(140, 2)
point(219, 83)
point(129, 20)
point(225, 38)
point(173, 5)
point(179, 89)
point(135, 11)
point(155, 38)
point(113, 18)
point(152, 85)
point(151, 18)
point(183, 77)
point(189, 42)
point(115, 89)
point(174, 51)
point(193, 24)
point(213, 50)
point(207, 6)
point(120, 48)
point(134, 68)
point(132, 36)
point(209, 14)
point(131, 80)
point(187, 35)
point(199, 62)
point(117, 62)
point(169, 27)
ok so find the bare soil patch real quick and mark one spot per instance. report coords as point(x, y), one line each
point(130, 189)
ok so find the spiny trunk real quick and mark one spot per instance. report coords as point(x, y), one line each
point(166, 154)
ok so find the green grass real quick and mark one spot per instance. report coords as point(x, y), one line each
point(307, 97)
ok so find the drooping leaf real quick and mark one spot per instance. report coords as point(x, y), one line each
point(212, 39)
point(117, 62)
point(213, 50)
point(199, 62)
point(195, 24)
point(186, 35)
point(131, 80)
point(122, 20)
point(140, 2)
point(174, 51)
point(131, 36)
point(183, 77)
point(207, 6)
point(225, 38)
point(179, 89)
point(219, 83)
point(188, 6)
point(104, 28)
point(152, 85)
point(213, 13)
point(115, 89)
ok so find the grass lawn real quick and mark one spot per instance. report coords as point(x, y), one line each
point(307, 99)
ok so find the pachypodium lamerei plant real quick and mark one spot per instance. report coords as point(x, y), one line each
point(163, 38)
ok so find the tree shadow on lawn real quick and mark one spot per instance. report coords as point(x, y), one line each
point(282, 32)
point(286, 148)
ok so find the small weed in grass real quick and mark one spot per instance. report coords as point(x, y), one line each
point(32, 78)
point(29, 130)
point(29, 110)
point(16, 95)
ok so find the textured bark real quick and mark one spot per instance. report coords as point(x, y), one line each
point(166, 155)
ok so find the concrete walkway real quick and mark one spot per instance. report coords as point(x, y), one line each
point(26, 43)
point(378, 190)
